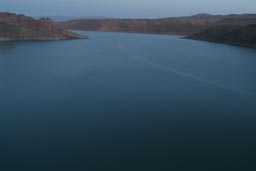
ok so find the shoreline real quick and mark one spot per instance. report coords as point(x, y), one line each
point(182, 36)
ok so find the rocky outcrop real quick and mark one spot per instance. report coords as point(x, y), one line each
point(21, 27)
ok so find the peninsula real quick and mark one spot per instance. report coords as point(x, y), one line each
point(21, 27)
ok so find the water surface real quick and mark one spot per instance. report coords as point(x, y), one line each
point(127, 102)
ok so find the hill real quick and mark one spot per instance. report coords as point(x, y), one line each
point(176, 25)
point(181, 26)
point(21, 27)
point(242, 36)
point(218, 28)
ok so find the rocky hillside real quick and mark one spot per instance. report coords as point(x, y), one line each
point(21, 27)
point(237, 35)
point(232, 29)
point(179, 25)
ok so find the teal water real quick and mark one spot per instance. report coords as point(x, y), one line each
point(127, 102)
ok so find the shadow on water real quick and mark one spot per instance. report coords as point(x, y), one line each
point(8, 46)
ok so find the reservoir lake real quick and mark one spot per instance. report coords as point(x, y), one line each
point(122, 101)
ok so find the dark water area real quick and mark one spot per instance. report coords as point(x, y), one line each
point(127, 102)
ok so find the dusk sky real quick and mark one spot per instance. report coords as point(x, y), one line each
point(126, 8)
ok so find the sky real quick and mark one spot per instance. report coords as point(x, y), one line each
point(126, 8)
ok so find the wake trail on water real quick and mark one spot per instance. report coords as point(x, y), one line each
point(172, 70)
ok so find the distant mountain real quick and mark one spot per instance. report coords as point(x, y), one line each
point(68, 18)
point(195, 27)
point(176, 25)
point(203, 15)
point(21, 27)
point(181, 26)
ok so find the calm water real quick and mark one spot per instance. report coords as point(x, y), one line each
point(127, 102)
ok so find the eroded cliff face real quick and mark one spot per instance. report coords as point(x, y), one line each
point(21, 27)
